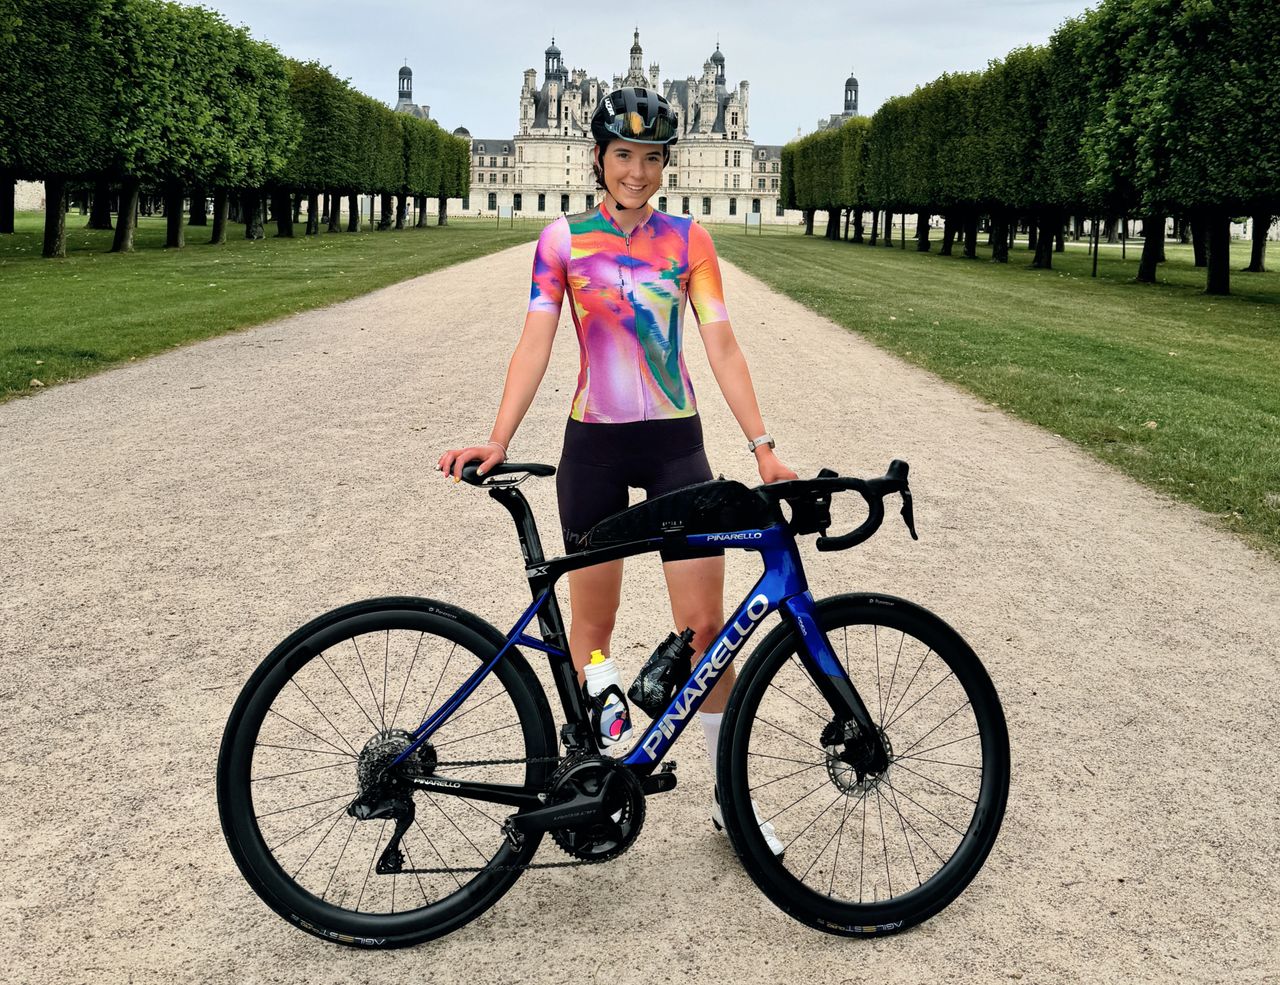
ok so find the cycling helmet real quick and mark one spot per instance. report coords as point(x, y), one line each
point(632, 113)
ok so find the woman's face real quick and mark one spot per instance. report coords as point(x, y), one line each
point(632, 172)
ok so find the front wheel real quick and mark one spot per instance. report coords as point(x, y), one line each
point(866, 852)
point(327, 711)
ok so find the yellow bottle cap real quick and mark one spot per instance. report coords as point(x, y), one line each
point(597, 657)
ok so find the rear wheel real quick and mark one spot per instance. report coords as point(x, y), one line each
point(327, 710)
point(866, 853)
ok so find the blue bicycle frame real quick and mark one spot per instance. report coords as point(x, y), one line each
point(782, 587)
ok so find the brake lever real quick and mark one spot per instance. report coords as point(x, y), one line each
point(908, 514)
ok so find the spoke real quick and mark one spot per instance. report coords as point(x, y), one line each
point(883, 841)
point(862, 864)
point(328, 884)
point(902, 824)
point(831, 886)
point(821, 718)
point(436, 805)
point(936, 727)
point(294, 682)
point(776, 779)
point(846, 651)
point(311, 769)
point(374, 858)
point(456, 718)
point(452, 874)
point(907, 796)
point(875, 640)
point(431, 700)
point(936, 783)
point(476, 735)
point(317, 848)
point(793, 735)
point(805, 829)
point(902, 817)
point(386, 659)
point(900, 717)
point(373, 697)
point(897, 658)
point(823, 850)
point(467, 801)
point(318, 752)
point(325, 661)
point(781, 759)
point(907, 689)
point(796, 801)
point(421, 888)
point(400, 700)
point(943, 762)
point(326, 800)
point(950, 742)
point(313, 824)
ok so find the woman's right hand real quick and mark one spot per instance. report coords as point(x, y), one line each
point(490, 454)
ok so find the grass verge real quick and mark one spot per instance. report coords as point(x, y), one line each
point(65, 319)
point(1176, 388)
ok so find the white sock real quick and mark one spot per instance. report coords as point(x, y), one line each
point(711, 731)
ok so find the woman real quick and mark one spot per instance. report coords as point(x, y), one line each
point(628, 269)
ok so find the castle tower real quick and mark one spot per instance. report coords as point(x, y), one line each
point(851, 96)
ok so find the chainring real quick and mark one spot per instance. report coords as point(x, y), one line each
point(601, 840)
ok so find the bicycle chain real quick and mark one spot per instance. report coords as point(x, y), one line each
point(573, 863)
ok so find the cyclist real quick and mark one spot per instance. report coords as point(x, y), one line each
point(627, 270)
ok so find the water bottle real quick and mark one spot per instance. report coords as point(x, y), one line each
point(610, 716)
point(665, 670)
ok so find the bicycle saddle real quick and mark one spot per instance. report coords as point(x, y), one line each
point(471, 474)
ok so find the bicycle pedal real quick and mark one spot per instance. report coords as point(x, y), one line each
point(662, 781)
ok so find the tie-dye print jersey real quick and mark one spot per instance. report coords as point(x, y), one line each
point(627, 294)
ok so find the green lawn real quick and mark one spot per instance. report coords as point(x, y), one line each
point(1176, 388)
point(65, 319)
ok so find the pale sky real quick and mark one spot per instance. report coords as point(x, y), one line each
point(468, 56)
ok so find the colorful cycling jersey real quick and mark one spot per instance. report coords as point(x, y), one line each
point(627, 293)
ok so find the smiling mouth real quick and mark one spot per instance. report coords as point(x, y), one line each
point(634, 190)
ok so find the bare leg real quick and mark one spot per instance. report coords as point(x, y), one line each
point(696, 587)
point(594, 594)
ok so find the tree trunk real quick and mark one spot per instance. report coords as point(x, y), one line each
point(1184, 230)
point(808, 222)
point(971, 236)
point(199, 208)
point(1258, 259)
point(848, 219)
point(922, 233)
point(888, 228)
point(282, 202)
point(857, 224)
point(875, 226)
point(1218, 280)
point(1044, 239)
point(7, 191)
point(100, 207)
point(334, 212)
point(442, 217)
point(174, 193)
point(353, 206)
point(55, 216)
point(1152, 243)
point(1000, 236)
point(402, 205)
point(833, 224)
point(1060, 237)
point(251, 206)
point(324, 214)
point(420, 203)
point(1033, 234)
point(1112, 231)
point(297, 208)
point(219, 234)
point(236, 207)
point(948, 233)
point(313, 213)
point(125, 218)
point(1199, 239)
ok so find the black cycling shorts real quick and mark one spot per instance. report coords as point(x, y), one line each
point(600, 462)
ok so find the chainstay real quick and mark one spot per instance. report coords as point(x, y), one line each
point(569, 864)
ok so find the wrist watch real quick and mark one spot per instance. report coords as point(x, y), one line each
point(755, 443)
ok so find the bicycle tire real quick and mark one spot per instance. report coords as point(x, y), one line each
point(326, 736)
point(929, 760)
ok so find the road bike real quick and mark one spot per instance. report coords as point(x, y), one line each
point(391, 768)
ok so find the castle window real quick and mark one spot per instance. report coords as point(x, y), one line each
point(517, 202)
point(591, 201)
point(482, 148)
point(755, 206)
point(684, 205)
point(504, 177)
point(505, 149)
point(779, 207)
point(519, 155)
point(735, 181)
point(706, 204)
point(733, 206)
point(774, 167)
point(542, 201)
point(760, 184)
point(504, 162)
point(662, 203)
point(726, 159)
point(466, 202)
point(773, 184)
point(733, 119)
point(493, 200)
point(762, 155)
point(671, 180)
point(564, 203)
point(737, 159)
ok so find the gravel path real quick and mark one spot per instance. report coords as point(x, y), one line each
point(165, 524)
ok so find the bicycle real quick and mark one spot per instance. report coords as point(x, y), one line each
point(312, 774)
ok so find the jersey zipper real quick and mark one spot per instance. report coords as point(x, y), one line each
point(631, 298)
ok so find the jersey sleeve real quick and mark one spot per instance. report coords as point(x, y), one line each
point(550, 268)
point(706, 291)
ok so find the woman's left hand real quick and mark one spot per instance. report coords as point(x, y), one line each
point(771, 469)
